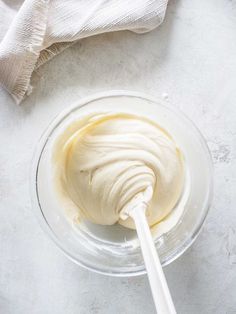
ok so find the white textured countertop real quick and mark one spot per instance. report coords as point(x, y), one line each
point(192, 58)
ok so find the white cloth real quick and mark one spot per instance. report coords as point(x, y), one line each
point(33, 31)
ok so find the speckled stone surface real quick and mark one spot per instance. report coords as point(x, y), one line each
point(192, 58)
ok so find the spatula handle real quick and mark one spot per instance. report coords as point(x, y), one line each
point(160, 291)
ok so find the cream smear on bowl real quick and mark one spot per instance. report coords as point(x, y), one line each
point(105, 163)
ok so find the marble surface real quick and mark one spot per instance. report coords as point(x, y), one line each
point(191, 57)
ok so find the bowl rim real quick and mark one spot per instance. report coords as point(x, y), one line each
point(139, 270)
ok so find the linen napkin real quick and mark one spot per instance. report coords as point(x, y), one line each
point(33, 31)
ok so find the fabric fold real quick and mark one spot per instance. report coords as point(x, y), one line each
point(40, 29)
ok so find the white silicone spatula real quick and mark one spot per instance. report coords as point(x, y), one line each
point(160, 291)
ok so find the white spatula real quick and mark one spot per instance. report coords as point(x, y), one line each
point(160, 291)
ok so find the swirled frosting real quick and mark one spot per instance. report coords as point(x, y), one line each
point(107, 163)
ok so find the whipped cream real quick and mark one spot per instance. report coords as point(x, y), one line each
point(106, 164)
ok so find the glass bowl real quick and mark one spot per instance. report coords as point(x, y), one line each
point(115, 250)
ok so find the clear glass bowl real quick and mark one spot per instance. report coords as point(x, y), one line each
point(114, 250)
